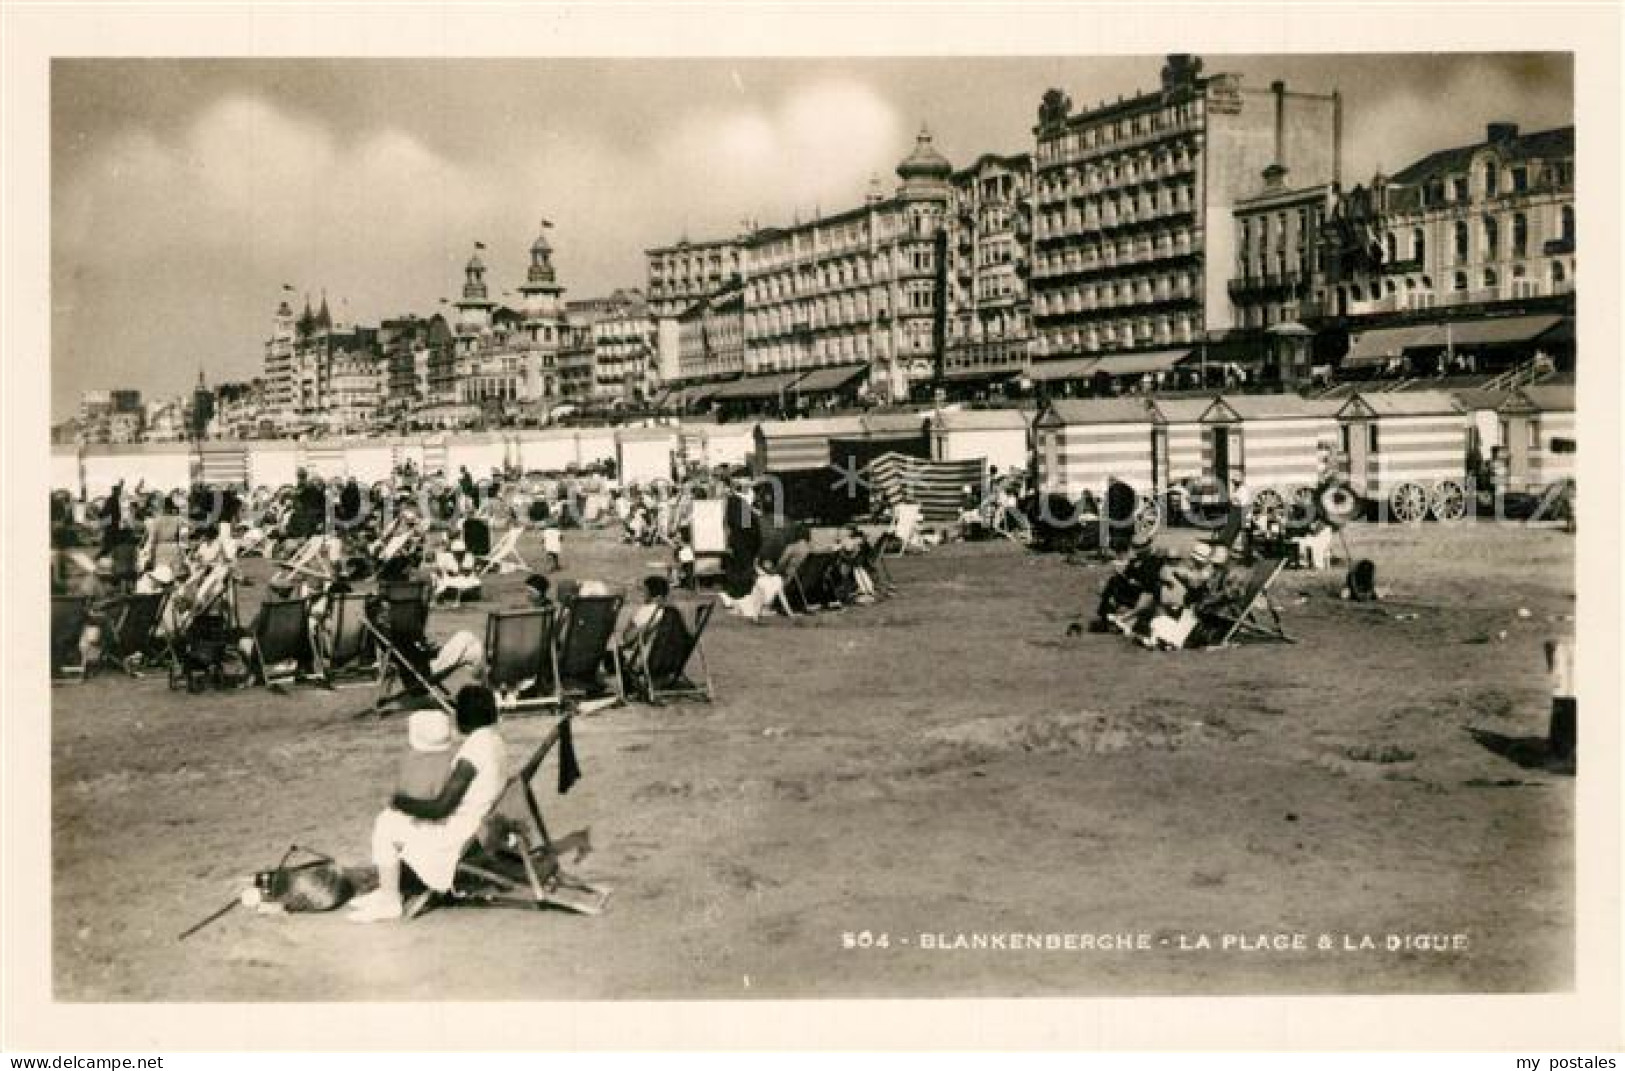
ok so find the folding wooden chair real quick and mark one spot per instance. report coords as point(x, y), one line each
point(346, 647)
point(132, 631)
point(304, 561)
point(404, 639)
point(281, 641)
point(525, 870)
point(807, 588)
point(69, 615)
point(1252, 615)
point(504, 552)
point(585, 636)
point(521, 663)
point(661, 659)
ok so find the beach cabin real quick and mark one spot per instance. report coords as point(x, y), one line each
point(323, 459)
point(545, 451)
point(799, 445)
point(273, 463)
point(594, 445)
point(999, 436)
point(64, 474)
point(726, 444)
point(1537, 426)
point(1272, 441)
point(1481, 409)
point(643, 455)
point(150, 466)
point(1408, 451)
point(1176, 440)
point(479, 452)
point(370, 461)
point(1081, 443)
point(223, 463)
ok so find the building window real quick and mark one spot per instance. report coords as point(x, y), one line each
point(1492, 179)
point(1490, 279)
point(1492, 239)
point(1520, 179)
point(1520, 235)
point(1568, 223)
point(1461, 241)
point(1558, 273)
point(1419, 245)
point(1460, 282)
point(1459, 190)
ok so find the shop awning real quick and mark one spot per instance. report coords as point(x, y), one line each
point(1065, 368)
point(756, 387)
point(1378, 345)
point(1502, 330)
point(962, 375)
point(824, 380)
point(1139, 364)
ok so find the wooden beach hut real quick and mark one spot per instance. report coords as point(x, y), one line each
point(1176, 443)
point(1082, 443)
point(1407, 452)
point(1272, 441)
point(1538, 428)
point(1002, 437)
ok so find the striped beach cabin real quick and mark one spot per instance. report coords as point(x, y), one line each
point(1081, 443)
point(1537, 427)
point(799, 445)
point(643, 455)
point(1407, 452)
point(1177, 439)
point(998, 436)
point(1272, 441)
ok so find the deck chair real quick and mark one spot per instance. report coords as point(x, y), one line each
point(132, 631)
point(660, 664)
point(303, 561)
point(504, 552)
point(520, 660)
point(584, 636)
point(347, 649)
point(281, 641)
point(526, 870)
point(69, 614)
point(403, 643)
point(808, 587)
point(1251, 614)
point(905, 528)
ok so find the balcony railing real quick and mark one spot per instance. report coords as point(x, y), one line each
point(1557, 247)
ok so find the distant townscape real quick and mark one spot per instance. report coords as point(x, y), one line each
point(1200, 235)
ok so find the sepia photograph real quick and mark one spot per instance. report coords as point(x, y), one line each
point(1070, 524)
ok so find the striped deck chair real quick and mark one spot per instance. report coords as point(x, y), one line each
point(1251, 615)
point(307, 560)
point(505, 551)
point(660, 663)
point(69, 614)
point(404, 640)
point(521, 662)
point(585, 636)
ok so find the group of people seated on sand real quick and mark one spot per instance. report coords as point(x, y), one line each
point(854, 575)
point(1164, 602)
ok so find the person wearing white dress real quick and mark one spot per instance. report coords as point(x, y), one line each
point(429, 835)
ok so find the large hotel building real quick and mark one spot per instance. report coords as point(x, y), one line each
point(1133, 237)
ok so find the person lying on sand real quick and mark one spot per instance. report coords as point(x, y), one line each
point(765, 594)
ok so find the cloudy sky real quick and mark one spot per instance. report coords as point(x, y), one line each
point(186, 193)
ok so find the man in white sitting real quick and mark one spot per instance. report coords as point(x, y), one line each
point(766, 593)
point(429, 835)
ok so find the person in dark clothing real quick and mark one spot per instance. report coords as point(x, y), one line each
point(350, 505)
point(1122, 503)
point(465, 483)
point(744, 528)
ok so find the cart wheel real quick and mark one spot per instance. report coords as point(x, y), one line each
point(1448, 502)
point(1268, 502)
point(1147, 518)
point(1408, 504)
point(1303, 504)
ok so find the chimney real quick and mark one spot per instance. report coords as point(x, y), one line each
point(1279, 89)
point(1502, 132)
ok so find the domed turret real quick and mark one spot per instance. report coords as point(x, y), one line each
point(925, 163)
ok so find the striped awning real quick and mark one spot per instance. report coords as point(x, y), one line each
point(755, 388)
point(1065, 368)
